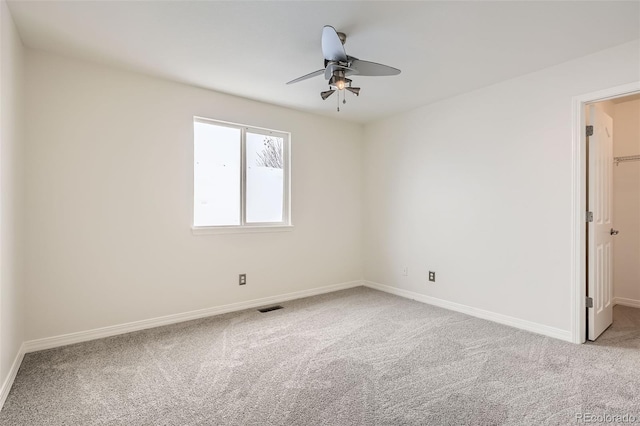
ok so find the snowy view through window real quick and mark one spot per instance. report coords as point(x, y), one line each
point(264, 178)
point(218, 180)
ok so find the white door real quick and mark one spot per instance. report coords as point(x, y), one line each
point(600, 256)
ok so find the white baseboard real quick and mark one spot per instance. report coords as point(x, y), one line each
point(475, 312)
point(99, 333)
point(8, 382)
point(632, 303)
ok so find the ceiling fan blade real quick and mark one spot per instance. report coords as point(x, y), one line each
point(328, 71)
point(332, 47)
point(373, 69)
point(350, 71)
point(326, 94)
point(304, 77)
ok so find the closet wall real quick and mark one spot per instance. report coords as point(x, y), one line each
point(626, 192)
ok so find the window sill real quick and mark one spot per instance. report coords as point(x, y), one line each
point(212, 230)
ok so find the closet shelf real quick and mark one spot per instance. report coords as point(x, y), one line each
point(626, 159)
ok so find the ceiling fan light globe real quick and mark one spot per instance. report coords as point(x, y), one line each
point(326, 94)
point(354, 90)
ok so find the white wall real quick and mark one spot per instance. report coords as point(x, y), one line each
point(11, 102)
point(478, 189)
point(109, 201)
point(626, 199)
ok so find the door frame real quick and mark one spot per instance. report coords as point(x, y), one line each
point(579, 203)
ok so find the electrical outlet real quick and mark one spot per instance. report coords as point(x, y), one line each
point(405, 271)
point(432, 276)
point(242, 279)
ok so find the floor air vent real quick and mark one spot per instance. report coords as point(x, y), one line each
point(269, 309)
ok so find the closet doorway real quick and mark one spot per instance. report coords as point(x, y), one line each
point(613, 217)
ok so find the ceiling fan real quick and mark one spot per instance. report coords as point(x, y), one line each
point(338, 65)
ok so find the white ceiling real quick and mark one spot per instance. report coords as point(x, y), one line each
point(251, 49)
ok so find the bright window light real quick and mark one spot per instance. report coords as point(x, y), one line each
point(241, 175)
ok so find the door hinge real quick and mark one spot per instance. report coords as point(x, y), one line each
point(589, 302)
point(589, 130)
point(589, 217)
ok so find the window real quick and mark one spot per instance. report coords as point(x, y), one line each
point(241, 176)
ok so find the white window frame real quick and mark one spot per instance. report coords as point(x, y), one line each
point(244, 226)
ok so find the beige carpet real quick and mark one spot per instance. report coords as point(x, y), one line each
point(355, 357)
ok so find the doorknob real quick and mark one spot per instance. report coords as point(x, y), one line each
point(614, 231)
